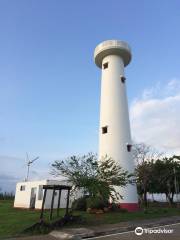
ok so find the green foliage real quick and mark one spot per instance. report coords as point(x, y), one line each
point(116, 208)
point(166, 173)
point(96, 202)
point(158, 176)
point(144, 156)
point(97, 178)
point(144, 173)
point(155, 173)
point(79, 204)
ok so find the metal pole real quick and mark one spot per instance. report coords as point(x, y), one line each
point(67, 203)
point(27, 173)
point(59, 198)
point(52, 204)
point(42, 208)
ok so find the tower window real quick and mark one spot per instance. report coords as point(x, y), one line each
point(104, 130)
point(129, 147)
point(123, 79)
point(22, 188)
point(105, 65)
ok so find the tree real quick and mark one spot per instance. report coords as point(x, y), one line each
point(155, 173)
point(97, 178)
point(166, 174)
point(144, 156)
point(144, 172)
point(145, 153)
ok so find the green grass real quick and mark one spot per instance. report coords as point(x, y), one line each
point(14, 221)
point(116, 217)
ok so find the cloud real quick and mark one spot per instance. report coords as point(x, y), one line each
point(8, 182)
point(155, 116)
point(4, 177)
point(14, 169)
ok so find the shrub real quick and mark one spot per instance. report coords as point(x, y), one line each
point(116, 208)
point(96, 202)
point(79, 204)
point(122, 210)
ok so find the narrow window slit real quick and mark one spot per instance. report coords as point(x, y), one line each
point(22, 188)
point(123, 79)
point(104, 130)
point(105, 65)
point(129, 147)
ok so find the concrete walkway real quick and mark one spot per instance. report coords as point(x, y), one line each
point(131, 225)
point(77, 233)
point(40, 237)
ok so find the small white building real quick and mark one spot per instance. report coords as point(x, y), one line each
point(30, 194)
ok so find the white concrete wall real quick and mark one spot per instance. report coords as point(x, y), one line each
point(22, 198)
point(161, 197)
point(114, 114)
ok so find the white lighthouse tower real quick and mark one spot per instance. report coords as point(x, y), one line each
point(114, 134)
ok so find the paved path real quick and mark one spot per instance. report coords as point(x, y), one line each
point(126, 235)
point(40, 237)
point(123, 230)
point(153, 236)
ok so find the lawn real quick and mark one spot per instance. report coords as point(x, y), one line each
point(14, 221)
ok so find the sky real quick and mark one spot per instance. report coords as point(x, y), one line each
point(50, 86)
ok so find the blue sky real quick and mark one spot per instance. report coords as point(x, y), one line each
point(50, 86)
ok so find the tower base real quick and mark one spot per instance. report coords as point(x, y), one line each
point(131, 207)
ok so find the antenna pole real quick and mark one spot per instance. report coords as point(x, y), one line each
point(27, 172)
point(29, 162)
